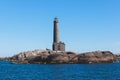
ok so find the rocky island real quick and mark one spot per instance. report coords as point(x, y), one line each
point(60, 57)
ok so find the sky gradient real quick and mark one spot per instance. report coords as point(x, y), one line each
point(85, 25)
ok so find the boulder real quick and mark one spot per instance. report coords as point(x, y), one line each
point(29, 56)
point(72, 57)
point(57, 58)
point(96, 57)
point(38, 59)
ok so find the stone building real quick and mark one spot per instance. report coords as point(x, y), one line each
point(57, 45)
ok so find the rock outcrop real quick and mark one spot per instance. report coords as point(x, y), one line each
point(59, 57)
point(35, 56)
point(117, 57)
point(96, 57)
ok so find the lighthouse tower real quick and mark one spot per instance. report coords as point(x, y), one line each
point(57, 44)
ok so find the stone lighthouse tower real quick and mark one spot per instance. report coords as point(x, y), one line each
point(57, 44)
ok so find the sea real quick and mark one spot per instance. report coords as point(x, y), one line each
point(107, 71)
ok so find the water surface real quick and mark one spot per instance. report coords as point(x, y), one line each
point(59, 71)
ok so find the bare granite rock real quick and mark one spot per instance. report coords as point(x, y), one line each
point(58, 57)
point(96, 57)
point(26, 57)
point(72, 57)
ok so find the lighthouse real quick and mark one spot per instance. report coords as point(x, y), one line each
point(57, 44)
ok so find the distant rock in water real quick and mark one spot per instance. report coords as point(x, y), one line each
point(5, 58)
point(59, 57)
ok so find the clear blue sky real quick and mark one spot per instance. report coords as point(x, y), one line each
point(85, 25)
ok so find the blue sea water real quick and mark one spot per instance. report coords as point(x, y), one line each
point(59, 71)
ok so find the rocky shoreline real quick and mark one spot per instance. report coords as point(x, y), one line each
point(59, 57)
